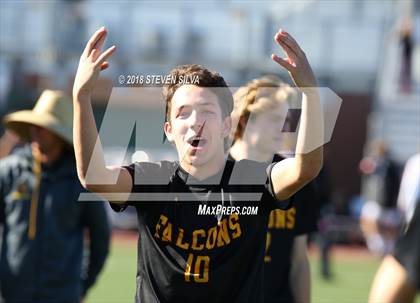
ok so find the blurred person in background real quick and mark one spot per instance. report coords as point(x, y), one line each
point(380, 218)
point(407, 46)
point(409, 188)
point(398, 277)
point(259, 106)
point(325, 214)
point(42, 224)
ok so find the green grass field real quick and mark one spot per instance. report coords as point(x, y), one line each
point(350, 284)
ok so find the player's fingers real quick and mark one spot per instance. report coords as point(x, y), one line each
point(280, 39)
point(283, 62)
point(104, 65)
point(94, 54)
point(93, 40)
point(98, 46)
point(289, 52)
point(288, 38)
point(105, 55)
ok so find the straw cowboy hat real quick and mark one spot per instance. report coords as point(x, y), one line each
point(53, 111)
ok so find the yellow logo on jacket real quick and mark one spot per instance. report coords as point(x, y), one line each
point(21, 192)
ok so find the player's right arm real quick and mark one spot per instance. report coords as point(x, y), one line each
point(290, 175)
point(93, 174)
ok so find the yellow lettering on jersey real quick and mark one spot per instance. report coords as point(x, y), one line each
point(220, 235)
point(280, 219)
point(162, 220)
point(291, 218)
point(211, 237)
point(195, 234)
point(167, 233)
point(180, 238)
point(223, 235)
point(234, 226)
point(271, 218)
point(187, 272)
point(206, 264)
point(267, 258)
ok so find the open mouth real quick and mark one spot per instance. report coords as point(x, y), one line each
point(197, 142)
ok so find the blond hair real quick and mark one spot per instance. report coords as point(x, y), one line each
point(260, 95)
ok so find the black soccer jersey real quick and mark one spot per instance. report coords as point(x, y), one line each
point(184, 256)
point(407, 249)
point(283, 227)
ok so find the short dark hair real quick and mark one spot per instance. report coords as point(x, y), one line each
point(206, 78)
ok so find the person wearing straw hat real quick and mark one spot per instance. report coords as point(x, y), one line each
point(41, 223)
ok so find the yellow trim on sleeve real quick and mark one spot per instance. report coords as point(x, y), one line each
point(36, 169)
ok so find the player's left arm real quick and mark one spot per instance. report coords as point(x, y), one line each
point(300, 281)
point(289, 175)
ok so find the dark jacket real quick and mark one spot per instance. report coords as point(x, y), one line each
point(42, 231)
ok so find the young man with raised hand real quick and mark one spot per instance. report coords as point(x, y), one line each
point(183, 256)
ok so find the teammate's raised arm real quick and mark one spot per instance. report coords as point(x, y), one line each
point(89, 158)
point(291, 174)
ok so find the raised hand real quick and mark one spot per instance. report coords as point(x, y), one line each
point(91, 63)
point(296, 62)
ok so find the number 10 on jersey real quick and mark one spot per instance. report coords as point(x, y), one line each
point(197, 269)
